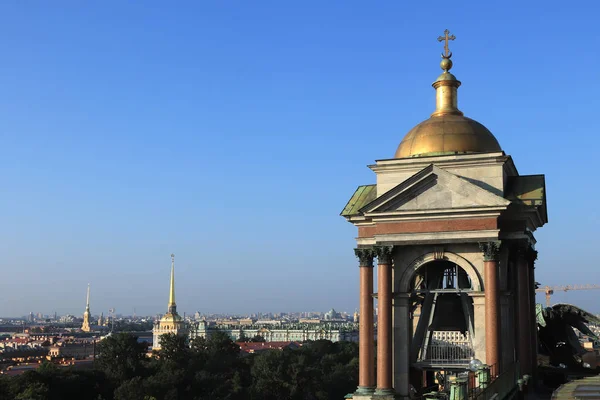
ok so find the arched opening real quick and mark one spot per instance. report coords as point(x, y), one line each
point(442, 314)
point(441, 275)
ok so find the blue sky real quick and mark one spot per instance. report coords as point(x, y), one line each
point(233, 133)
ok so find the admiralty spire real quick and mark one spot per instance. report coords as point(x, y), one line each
point(171, 322)
point(172, 308)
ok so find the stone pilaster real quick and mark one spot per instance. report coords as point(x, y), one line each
point(532, 255)
point(524, 307)
point(479, 325)
point(402, 339)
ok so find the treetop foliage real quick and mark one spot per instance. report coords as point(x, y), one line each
point(202, 369)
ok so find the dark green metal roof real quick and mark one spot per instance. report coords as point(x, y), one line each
point(361, 197)
point(528, 190)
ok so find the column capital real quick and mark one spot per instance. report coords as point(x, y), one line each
point(532, 255)
point(384, 254)
point(526, 252)
point(490, 250)
point(365, 256)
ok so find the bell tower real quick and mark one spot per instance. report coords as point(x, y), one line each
point(451, 223)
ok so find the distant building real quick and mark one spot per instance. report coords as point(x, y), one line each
point(309, 321)
point(78, 350)
point(334, 332)
point(18, 343)
point(332, 315)
point(171, 322)
point(250, 347)
point(67, 319)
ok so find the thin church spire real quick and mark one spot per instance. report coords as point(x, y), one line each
point(87, 303)
point(86, 315)
point(172, 305)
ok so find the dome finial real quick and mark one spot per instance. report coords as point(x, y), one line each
point(446, 63)
point(446, 84)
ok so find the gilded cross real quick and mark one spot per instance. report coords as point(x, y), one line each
point(446, 37)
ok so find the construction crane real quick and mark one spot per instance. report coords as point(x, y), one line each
point(549, 290)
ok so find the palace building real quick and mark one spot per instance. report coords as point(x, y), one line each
point(171, 322)
point(451, 223)
point(295, 332)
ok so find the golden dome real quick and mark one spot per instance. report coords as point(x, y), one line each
point(447, 134)
point(447, 131)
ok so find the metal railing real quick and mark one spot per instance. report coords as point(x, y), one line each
point(448, 347)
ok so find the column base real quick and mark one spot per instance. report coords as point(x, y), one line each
point(372, 394)
point(384, 394)
point(364, 391)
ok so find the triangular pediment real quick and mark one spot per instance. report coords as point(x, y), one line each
point(433, 188)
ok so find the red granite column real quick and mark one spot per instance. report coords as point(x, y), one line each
point(492, 304)
point(523, 310)
point(366, 345)
point(384, 320)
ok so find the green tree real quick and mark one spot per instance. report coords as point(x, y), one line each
point(35, 391)
point(174, 348)
point(270, 380)
point(121, 357)
point(220, 372)
point(133, 389)
point(60, 383)
point(6, 391)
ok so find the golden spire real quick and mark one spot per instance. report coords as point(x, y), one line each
point(87, 307)
point(85, 326)
point(446, 85)
point(172, 305)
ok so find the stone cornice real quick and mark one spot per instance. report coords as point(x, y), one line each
point(448, 161)
point(426, 215)
point(525, 236)
point(442, 213)
point(429, 238)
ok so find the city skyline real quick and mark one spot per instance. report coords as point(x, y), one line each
point(231, 136)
